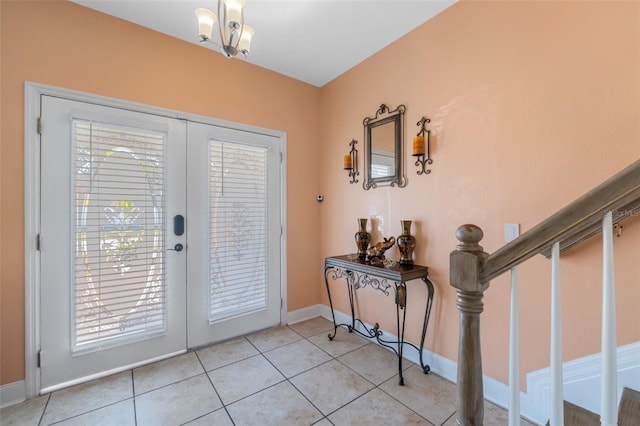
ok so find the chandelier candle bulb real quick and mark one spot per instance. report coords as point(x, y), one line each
point(206, 19)
point(347, 162)
point(418, 145)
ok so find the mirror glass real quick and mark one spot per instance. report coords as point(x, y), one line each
point(383, 148)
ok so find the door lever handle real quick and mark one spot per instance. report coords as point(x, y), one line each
point(177, 247)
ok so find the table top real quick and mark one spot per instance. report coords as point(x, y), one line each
point(398, 272)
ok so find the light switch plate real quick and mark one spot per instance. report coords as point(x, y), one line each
point(511, 231)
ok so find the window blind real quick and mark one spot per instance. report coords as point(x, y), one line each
point(238, 229)
point(118, 223)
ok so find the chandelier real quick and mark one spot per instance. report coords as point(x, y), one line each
point(235, 36)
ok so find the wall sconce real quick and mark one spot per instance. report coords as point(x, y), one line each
point(351, 162)
point(419, 147)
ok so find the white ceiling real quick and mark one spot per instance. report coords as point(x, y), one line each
point(310, 40)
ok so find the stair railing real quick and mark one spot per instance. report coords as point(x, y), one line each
point(471, 270)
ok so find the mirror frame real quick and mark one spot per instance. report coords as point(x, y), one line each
point(384, 116)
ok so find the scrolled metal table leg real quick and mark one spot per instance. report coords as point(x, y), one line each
point(401, 304)
point(326, 282)
point(427, 314)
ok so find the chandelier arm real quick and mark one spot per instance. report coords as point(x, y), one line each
point(230, 45)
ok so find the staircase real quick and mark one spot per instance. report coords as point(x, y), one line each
point(471, 270)
point(628, 412)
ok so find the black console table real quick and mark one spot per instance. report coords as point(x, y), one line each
point(359, 273)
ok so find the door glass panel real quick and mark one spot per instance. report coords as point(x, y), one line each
point(119, 203)
point(238, 229)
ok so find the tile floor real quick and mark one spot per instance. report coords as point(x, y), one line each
point(284, 376)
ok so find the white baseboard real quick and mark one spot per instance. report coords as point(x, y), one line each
point(303, 314)
point(581, 376)
point(12, 393)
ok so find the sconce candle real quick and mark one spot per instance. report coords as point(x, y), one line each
point(418, 145)
point(347, 162)
point(423, 156)
point(351, 162)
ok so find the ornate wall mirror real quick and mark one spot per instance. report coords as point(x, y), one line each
point(383, 145)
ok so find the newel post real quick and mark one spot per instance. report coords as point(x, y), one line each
point(464, 274)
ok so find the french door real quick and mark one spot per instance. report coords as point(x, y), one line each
point(128, 200)
point(234, 204)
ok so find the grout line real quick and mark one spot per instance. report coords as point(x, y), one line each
point(46, 404)
point(224, 406)
point(133, 391)
point(448, 418)
point(90, 411)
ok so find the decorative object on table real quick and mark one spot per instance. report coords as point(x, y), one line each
point(389, 263)
point(350, 162)
point(419, 146)
point(384, 148)
point(375, 253)
point(406, 243)
point(362, 238)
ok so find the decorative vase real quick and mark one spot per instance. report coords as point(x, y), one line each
point(362, 238)
point(406, 243)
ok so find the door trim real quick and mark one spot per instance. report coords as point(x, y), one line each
point(32, 93)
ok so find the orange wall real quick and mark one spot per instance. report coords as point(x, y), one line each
point(76, 48)
point(521, 95)
point(531, 104)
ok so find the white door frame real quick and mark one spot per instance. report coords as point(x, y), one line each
point(33, 92)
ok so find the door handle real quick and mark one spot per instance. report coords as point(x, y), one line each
point(177, 247)
point(178, 225)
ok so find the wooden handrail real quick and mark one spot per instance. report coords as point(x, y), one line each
point(572, 224)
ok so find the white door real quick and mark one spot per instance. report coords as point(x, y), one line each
point(117, 235)
point(112, 295)
point(234, 202)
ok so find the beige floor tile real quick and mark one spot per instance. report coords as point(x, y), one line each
point(165, 372)
point(226, 353)
point(341, 344)
point(272, 338)
point(244, 378)
point(374, 363)
point(497, 416)
point(80, 399)
point(121, 414)
point(217, 418)
point(279, 405)
point(331, 385)
point(177, 403)
point(297, 357)
point(493, 416)
point(431, 396)
point(312, 326)
point(376, 408)
point(27, 413)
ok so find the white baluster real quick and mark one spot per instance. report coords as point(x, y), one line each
point(514, 354)
point(556, 415)
point(608, 384)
